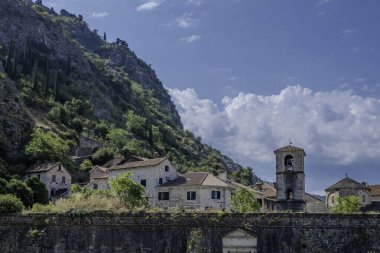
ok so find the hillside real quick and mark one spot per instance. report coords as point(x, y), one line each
point(59, 76)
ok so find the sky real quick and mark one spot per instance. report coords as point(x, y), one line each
point(249, 76)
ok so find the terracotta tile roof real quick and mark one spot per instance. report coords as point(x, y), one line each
point(42, 167)
point(375, 190)
point(289, 148)
point(346, 183)
point(267, 190)
point(99, 168)
point(138, 164)
point(197, 178)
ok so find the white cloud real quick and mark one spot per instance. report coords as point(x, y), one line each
point(195, 2)
point(323, 2)
point(149, 5)
point(338, 127)
point(99, 14)
point(192, 38)
point(185, 20)
point(348, 31)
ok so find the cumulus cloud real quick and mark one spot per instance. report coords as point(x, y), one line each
point(185, 20)
point(337, 126)
point(149, 5)
point(99, 14)
point(192, 38)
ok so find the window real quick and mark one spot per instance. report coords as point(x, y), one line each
point(39, 176)
point(363, 198)
point(53, 178)
point(166, 168)
point(95, 186)
point(191, 195)
point(143, 182)
point(63, 180)
point(289, 162)
point(163, 196)
point(333, 200)
point(289, 194)
point(160, 180)
point(215, 194)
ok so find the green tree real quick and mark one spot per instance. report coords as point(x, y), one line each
point(44, 147)
point(40, 193)
point(10, 204)
point(86, 165)
point(136, 123)
point(118, 138)
point(129, 192)
point(21, 190)
point(103, 155)
point(244, 201)
point(349, 204)
point(34, 75)
point(3, 186)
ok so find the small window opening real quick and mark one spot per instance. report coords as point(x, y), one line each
point(289, 194)
point(289, 162)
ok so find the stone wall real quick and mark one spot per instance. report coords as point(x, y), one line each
point(161, 232)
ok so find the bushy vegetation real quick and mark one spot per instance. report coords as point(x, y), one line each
point(129, 192)
point(346, 205)
point(21, 190)
point(40, 193)
point(244, 201)
point(10, 204)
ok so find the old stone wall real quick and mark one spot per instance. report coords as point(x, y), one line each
point(162, 232)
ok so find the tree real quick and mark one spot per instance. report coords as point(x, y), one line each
point(45, 147)
point(118, 138)
point(34, 75)
point(129, 192)
point(103, 155)
point(244, 201)
point(40, 193)
point(105, 36)
point(86, 165)
point(10, 204)
point(21, 190)
point(3, 186)
point(47, 78)
point(349, 204)
point(136, 123)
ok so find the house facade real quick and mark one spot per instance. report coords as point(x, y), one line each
point(195, 190)
point(55, 177)
point(348, 187)
point(150, 173)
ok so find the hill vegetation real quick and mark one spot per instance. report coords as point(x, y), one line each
point(59, 81)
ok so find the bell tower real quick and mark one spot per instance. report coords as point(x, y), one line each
point(290, 179)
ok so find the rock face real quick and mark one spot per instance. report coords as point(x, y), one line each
point(15, 123)
point(206, 233)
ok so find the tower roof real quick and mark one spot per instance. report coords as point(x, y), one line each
point(290, 148)
point(346, 183)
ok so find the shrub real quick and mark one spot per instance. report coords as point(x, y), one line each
point(136, 123)
point(45, 147)
point(129, 192)
point(86, 165)
point(349, 204)
point(40, 193)
point(21, 190)
point(118, 138)
point(244, 201)
point(10, 204)
point(3, 186)
point(103, 155)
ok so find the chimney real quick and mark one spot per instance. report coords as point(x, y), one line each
point(259, 185)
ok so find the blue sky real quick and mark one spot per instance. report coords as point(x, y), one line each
point(247, 75)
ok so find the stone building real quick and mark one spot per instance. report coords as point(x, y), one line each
point(150, 173)
point(98, 178)
point(290, 179)
point(348, 187)
point(55, 177)
point(195, 190)
point(375, 193)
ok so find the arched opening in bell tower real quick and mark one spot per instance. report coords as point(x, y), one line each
point(289, 194)
point(289, 162)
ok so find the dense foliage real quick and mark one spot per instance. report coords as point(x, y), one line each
point(40, 193)
point(244, 201)
point(21, 190)
point(130, 192)
point(10, 204)
point(349, 204)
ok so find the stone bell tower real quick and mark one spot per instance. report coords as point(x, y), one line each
point(290, 179)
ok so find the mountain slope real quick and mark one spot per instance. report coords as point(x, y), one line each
point(66, 79)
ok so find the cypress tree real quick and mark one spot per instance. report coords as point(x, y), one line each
point(14, 67)
point(34, 75)
point(8, 63)
point(46, 88)
point(56, 83)
point(105, 36)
